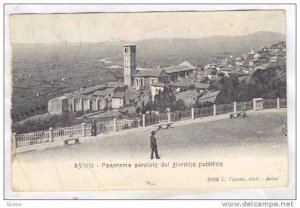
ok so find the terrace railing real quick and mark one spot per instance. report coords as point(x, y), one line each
point(204, 112)
point(282, 103)
point(270, 103)
point(224, 109)
point(114, 125)
point(32, 138)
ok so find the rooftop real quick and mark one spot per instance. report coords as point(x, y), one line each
point(59, 98)
point(184, 66)
point(209, 97)
point(229, 68)
point(129, 44)
point(238, 71)
point(200, 85)
point(149, 73)
point(158, 84)
point(119, 95)
point(82, 97)
point(114, 84)
point(86, 90)
point(103, 93)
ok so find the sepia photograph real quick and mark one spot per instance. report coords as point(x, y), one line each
point(148, 101)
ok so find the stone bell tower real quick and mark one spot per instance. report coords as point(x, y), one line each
point(129, 52)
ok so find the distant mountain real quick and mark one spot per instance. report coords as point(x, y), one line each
point(209, 46)
point(153, 52)
point(39, 68)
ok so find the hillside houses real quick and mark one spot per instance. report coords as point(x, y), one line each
point(187, 82)
point(248, 63)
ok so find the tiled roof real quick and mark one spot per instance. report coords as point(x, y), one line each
point(184, 66)
point(132, 96)
point(158, 84)
point(119, 95)
point(229, 68)
point(114, 84)
point(59, 98)
point(200, 85)
point(149, 73)
point(81, 97)
point(85, 91)
point(103, 93)
point(209, 97)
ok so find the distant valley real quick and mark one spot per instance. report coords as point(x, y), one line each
point(41, 72)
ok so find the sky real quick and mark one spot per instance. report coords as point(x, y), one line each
point(130, 27)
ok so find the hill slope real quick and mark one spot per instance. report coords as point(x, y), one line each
point(38, 69)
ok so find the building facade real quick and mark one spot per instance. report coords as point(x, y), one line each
point(147, 77)
point(58, 105)
point(118, 100)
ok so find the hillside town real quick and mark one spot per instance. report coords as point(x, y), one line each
point(189, 84)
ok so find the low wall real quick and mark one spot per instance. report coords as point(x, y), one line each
point(41, 137)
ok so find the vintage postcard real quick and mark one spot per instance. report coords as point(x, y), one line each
point(120, 101)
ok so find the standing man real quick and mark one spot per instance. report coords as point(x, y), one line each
point(94, 127)
point(153, 146)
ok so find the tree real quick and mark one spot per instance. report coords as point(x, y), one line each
point(166, 99)
point(138, 110)
point(267, 83)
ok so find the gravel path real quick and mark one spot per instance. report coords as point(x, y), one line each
point(258, 134)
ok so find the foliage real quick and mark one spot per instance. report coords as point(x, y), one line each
point(40, 124)
point(265, 83)
point(202, 105)
point(165, 100)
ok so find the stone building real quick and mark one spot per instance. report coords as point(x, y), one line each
point(58, 105)
point(118, 100)
point(157, 88)
point(147, 77)
point(96, 98)
point(181, 71)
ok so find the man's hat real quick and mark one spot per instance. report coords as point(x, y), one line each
point(152, 132)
